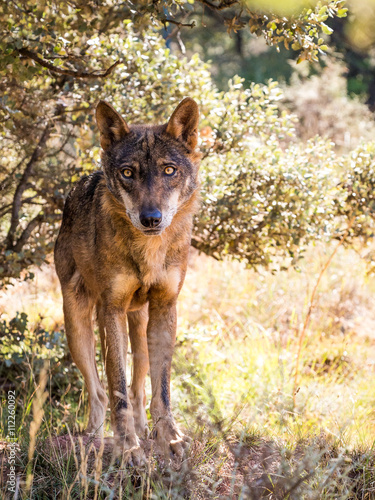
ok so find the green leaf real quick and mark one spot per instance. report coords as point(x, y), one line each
point(323, 10)
point(326, 29)
point(342, 12)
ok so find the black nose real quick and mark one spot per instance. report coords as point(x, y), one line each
point(150, 218)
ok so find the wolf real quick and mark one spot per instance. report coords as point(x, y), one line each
point(122, 251)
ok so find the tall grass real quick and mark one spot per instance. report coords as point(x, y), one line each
point(233, 391)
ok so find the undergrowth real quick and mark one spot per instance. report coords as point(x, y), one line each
point(232, 392)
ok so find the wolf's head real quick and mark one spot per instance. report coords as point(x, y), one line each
point(151, 170)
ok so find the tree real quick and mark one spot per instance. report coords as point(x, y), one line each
point(58, 58)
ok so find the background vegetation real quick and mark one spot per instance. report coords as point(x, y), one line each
point(274, 364)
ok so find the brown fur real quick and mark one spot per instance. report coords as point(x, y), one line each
point(107, 260)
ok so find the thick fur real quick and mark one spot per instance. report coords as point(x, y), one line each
point(107, 260)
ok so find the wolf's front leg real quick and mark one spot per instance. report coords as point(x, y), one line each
point(161, 336)
point(114, 347)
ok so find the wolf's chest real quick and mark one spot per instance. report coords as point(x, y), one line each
point(165, 280)
point(151, 260)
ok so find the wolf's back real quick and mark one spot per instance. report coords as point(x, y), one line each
point(78, 222)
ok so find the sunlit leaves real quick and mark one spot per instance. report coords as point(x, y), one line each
point(266, 195)
point(299, 30)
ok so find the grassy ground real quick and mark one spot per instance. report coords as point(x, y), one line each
point(255, 434)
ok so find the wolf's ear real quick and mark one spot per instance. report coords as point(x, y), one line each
point(112, 126)
point(183, 124)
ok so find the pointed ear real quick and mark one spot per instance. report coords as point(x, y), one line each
point(112, 126)
point(183, 124)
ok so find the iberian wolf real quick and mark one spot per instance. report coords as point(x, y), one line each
point(122, 252)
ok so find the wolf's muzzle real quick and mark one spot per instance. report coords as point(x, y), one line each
point(150, 218)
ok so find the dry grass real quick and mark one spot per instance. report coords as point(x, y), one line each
point(232, 390)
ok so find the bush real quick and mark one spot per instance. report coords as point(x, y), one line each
point(25, 350)
point(251, 184)
point(266, 194)
point(327, 109)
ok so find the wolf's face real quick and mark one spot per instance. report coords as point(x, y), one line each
point(151, 170)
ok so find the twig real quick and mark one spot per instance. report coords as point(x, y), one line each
point(68, 72)
point(74, 110)
point(61, 148)
point(180, 42)
point(177, 23)
point(6, 209)
point(176, 32)
point(311, 305)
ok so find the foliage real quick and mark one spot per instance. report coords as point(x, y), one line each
point(271, 200)
point(26, 346)
point(358, 197)
point(50, 33)
point(295, 26)
point(19, 344)
point(266, 195)
point(55, 60)
point(302, 32)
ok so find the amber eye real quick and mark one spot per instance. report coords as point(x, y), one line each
point(127, 173)
point(169, 170)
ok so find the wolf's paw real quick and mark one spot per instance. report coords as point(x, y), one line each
point(94, 430)
point(171, 442)
point(98, 408)
point(129, 452)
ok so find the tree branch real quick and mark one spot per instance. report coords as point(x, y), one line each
point(9, 179)
point(27, 232)
point(221, 6)
point(22, 185)
point(67, 72)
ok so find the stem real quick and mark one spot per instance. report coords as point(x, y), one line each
point(68, 72)
point(311, 306)
point(177, 23)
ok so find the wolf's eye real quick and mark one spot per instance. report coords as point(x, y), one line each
point(169, 170)
point(127, 173)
